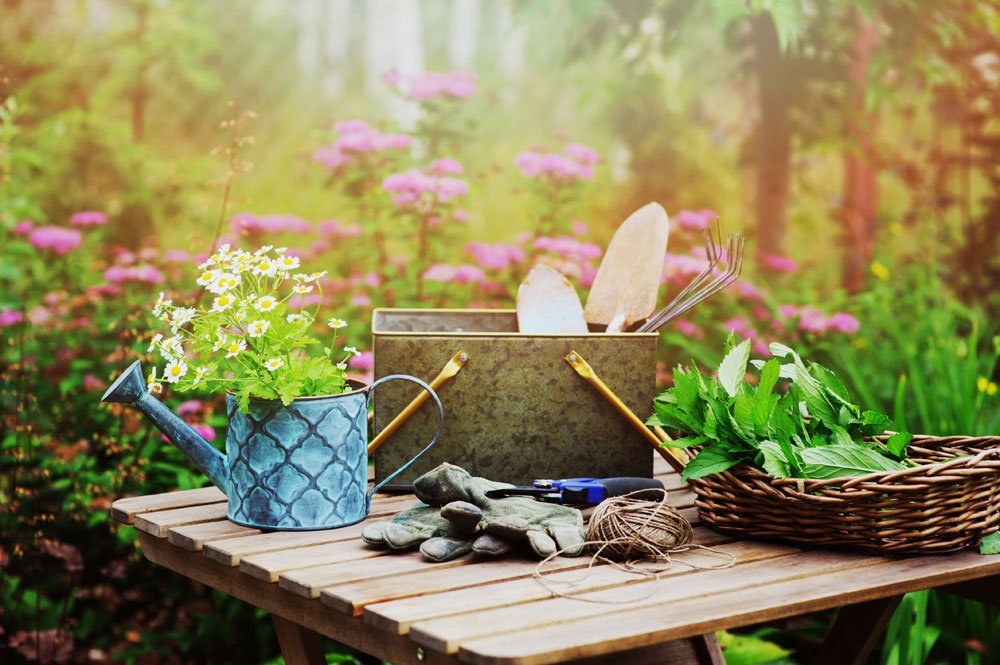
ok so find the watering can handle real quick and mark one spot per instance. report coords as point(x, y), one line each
point(437, 400)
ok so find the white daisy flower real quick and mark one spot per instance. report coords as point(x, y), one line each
point(258, 328)
point(266, 303)
point(296, 318)
point(281, 250)
point(235, 348)
point(155, 388)
point(300, 277)
point(181, 316)
point(153, 342)
point(288, 262)
point(172, 348)
point(315, 276)
point(174, 371)
point(224, 282)
point(266, 268)
point(273, 364)
point(302, 288)
point(221, 340)
point(352, 350)
point(207, 277)
point(199, 374)
point(337, 324)
point(342, 366)
point(222, 303)
point(263, 250)
point(161, 305)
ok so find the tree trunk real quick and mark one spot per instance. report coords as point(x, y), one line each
point(860, 204)
point(774, 138)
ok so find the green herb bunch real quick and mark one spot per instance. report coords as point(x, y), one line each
point(246, 341)
point(811, 430)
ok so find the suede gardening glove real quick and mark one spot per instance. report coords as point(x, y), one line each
point(468, 519)
point(418, 526)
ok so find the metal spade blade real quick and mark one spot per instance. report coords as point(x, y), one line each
point(628, 280)
point(548, 304)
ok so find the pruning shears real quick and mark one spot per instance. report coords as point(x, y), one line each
point(584, 491)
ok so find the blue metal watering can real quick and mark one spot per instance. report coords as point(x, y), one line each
point(292, 468)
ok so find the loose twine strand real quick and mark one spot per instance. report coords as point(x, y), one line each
point(626, 531)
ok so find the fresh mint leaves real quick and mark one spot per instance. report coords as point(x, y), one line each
point(810, 430)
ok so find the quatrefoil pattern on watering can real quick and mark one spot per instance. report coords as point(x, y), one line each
point(301, 466)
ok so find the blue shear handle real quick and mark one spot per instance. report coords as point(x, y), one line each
point(437, 400)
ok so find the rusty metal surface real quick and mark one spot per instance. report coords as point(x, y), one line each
point(516, 411)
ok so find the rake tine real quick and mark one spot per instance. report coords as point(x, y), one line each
point(735, 246)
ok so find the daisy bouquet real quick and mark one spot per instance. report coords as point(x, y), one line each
point(249, 339)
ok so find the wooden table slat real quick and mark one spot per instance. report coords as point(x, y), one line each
point(270, 565)
point(158, 523)
point(304, 573)
point(125, 510)
point(231, 551)
point(629, 592)
point(623, 629)
point(193, 537)
point(395, 605)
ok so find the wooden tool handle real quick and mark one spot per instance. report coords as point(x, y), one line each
point(450, 369)
point(675, 457)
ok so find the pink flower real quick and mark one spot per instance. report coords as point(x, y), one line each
point(188, 407)
point(89, 218)
point(249, 224)
point(38, 315)
point(56, 238)
point(579, 228)
point(688, 329)
point(749, 291)
point(365, 361)
point(588, 274)
point(761, 348)
point(448, 188)
point(9, 317)
point(682, 265)
point(330, 156)
point(352, 127)
point(812, 320)
point(140, 273)
point(694, 220)
point(781, 263)
point(91, 382)
point(552, 165)
point(568, 247)
point(361, 300)
point(445, 166)
point(465, 274)
point(23, 227)
point(788, 311)
point(176, 256)
point(460, 215)
point(581, 153)
point(740, 326)
point(843, 322)
point(496, 256)
point(457, 85)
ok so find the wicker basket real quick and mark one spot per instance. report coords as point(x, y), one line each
point(944, 504)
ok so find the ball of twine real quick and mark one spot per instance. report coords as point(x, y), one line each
point(624, 528)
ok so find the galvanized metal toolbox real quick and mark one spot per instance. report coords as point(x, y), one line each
point(516, 411)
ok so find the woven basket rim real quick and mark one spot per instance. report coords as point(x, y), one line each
point(881, 477)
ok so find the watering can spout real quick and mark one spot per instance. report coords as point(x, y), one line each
point(130, 389)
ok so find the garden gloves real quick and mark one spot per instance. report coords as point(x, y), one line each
point(454, 516)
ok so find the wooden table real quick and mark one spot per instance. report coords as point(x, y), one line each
point(404, 610)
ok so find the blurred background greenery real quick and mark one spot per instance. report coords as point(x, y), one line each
point(856, 144)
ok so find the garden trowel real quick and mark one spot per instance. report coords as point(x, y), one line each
point(628, 280)
point(548, 304)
